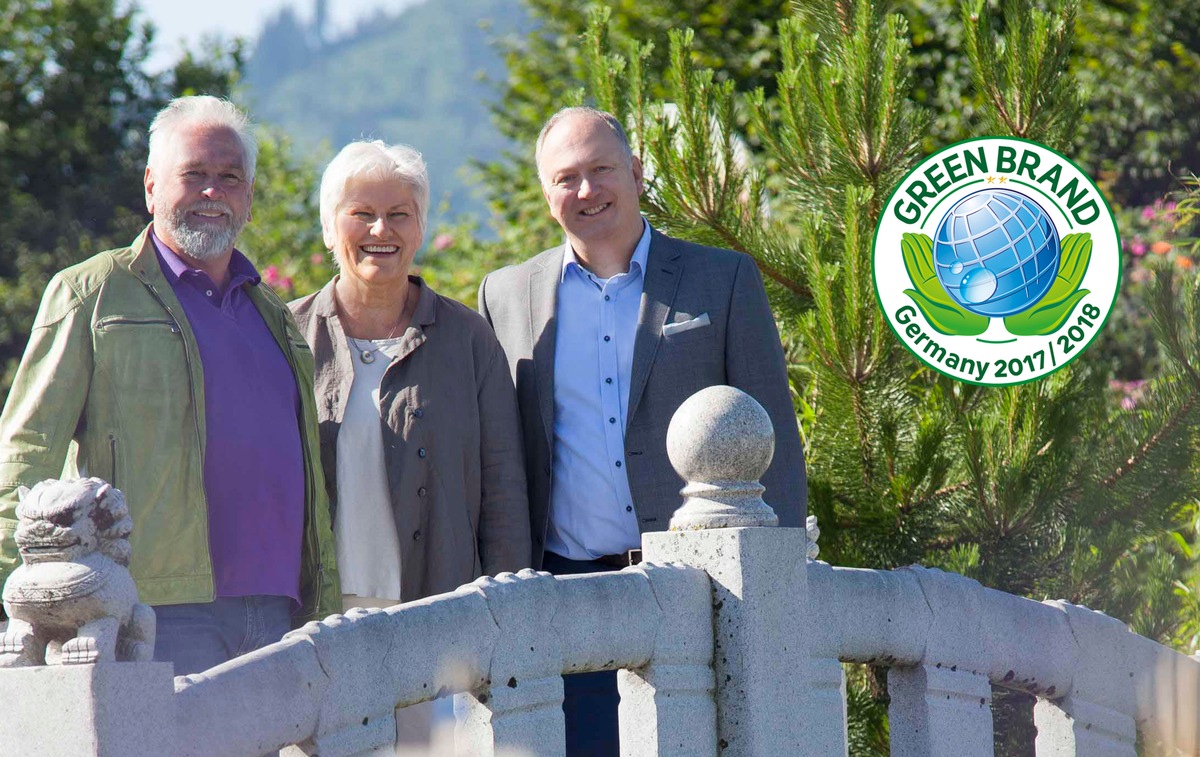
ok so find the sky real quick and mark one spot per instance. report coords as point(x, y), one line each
point(178, 20)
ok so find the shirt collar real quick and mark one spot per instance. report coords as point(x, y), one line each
point(241, 269)
point(640, 253)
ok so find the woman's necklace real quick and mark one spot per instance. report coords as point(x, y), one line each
point(367, 354)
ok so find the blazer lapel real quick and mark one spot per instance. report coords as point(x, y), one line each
point(543, 299)
point(659, 284)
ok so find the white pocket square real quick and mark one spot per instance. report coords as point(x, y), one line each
point(677, 328)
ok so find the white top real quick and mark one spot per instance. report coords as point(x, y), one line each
point(368, 549)
point(591, 508)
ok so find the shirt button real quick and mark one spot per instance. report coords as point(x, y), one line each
point(608, 338)
point(607, 298)
point(612, 420)
point(618, 463)
point(421, 452)
point(421, 492)
point(417, 535)
point(608, 381)
point(208, 292)
point(628, 508)
point(418, 413)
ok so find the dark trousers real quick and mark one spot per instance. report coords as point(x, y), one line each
point(589, 699)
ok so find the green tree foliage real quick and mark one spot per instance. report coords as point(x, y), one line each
point(75, 102)
point(1135, 61)
point(1040, 489)
point(735, 38)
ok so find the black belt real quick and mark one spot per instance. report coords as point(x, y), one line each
point(621, 560)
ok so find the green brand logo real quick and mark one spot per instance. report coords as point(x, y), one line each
point(996, 261)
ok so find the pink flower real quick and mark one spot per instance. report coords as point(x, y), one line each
point(1148, 212)
point(316, 258)
point(1128, 402)
point(285, 283)
point(1139, 247)
point(270, 275)
point(442, 241)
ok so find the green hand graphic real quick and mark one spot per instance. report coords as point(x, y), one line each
point(944, 314)
point(1056, 307)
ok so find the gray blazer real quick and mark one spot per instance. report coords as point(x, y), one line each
point(451, 446)
point(739, 347)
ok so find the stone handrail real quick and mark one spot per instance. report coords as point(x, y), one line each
point(506, 641)
point(947, 640)
point(727, 640)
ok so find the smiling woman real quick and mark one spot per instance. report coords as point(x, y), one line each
point(419, 431)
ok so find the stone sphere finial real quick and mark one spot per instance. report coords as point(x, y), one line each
point(721, 442)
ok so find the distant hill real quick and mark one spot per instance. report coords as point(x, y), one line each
point(416, 77)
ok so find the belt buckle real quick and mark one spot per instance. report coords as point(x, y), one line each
point(633, 556)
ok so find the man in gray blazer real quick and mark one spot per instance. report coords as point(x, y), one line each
point(606, 336)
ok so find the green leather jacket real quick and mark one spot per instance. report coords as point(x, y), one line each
point(111, 383)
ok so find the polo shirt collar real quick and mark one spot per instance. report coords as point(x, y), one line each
point(241, 270)
point(640, 253)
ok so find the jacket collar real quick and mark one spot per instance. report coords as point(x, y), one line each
point(325, 303)
point(663, 272)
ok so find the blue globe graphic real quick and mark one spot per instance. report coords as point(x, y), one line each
point(996, 252)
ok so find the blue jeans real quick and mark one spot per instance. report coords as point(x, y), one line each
point(199, 636)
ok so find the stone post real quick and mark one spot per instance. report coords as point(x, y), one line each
point(825, 712)
point(721, 442)
point(1096, 716)
point(76, 677)
point(939, 712)
point(942, 707)
point(521, 711)
point(110, 709)
point(667, 707)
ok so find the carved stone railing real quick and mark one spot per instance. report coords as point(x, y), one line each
point(727, 640)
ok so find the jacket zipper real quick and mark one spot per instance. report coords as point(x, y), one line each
point(139, 322)
point(112, 450)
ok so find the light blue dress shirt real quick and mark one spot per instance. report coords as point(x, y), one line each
point(591, 508)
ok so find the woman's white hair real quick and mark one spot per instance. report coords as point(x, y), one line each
point(203, 110)
point(373, 159)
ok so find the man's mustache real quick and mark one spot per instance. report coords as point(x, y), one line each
point(211, 206)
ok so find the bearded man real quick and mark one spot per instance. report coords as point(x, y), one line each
point(168, 369)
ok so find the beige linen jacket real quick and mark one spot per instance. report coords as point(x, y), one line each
point(451, 439)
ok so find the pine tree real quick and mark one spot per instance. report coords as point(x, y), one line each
point(1042, 489)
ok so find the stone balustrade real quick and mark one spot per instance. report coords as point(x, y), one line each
point(728, 640)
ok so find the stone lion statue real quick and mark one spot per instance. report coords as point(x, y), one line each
point(73, 600)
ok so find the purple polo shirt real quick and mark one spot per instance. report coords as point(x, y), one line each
point(253, 460)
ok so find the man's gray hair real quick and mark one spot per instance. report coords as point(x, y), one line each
point(587, 112)
point(203, 110)
point(374, 159)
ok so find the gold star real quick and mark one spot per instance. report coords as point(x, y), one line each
point(991, 179)
point(1003, 179)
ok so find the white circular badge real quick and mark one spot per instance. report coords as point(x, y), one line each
point(996, 261)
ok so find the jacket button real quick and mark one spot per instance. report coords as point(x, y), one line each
point(421, 492)
point(421, 452)
point(417, 535)
point(418, 413)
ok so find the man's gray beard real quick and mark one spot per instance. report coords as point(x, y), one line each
point(202, 244)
